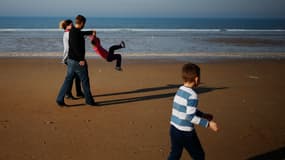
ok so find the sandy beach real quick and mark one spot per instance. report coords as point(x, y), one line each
point(132, 121)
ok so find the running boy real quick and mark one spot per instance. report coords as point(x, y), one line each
point(109, 56)
point(185, 114)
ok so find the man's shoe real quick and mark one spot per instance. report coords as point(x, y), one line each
point(70, 97)
point(93, 104)
point(61, 104)
point(80, 95)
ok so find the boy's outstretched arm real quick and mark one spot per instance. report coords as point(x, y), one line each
point(212, 124)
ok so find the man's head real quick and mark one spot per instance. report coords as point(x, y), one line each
point(191, 74)
point(80, 21)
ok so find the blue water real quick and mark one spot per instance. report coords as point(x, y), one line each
point(148, 36)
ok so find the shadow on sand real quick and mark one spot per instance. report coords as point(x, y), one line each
point(278, 154)
point(169, 86)
point(199, 90)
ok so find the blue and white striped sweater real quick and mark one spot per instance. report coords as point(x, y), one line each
point(184, 112)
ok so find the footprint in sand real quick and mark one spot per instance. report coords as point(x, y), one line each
point(4, 123)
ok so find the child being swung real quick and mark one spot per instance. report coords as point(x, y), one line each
point(185, 114)
point(108, 55)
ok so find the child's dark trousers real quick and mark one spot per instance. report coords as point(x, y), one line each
point(111, 56)
point(189, 141)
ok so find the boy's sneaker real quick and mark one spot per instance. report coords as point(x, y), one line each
point(123, 44)
point(118, 68)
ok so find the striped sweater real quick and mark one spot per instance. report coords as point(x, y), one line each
point(184, 112)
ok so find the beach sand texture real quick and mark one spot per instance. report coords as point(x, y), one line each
point(132, 123)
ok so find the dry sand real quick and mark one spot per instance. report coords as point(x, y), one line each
point(246, 98)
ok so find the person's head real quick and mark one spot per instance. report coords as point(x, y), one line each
point(191, 74)
point(80, 21)
point(66, 24)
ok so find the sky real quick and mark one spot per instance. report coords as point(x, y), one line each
point(146, 8)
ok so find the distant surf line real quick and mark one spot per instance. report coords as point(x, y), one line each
point(140, 30)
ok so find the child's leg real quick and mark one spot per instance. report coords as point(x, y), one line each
point(176, 139)
point(112, 56)
point(117, 57)
point(193, 146)
point(113, 48)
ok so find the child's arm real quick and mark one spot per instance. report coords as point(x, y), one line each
point(212, 125)
point(205, 120)
point(197, 117)
point(207, 116)
point(94, 33)
point(192, 116)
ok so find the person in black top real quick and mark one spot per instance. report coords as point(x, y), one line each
point(76, 62)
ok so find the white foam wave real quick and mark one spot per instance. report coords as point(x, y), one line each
point(255, 30)
point(140, 30)
point(149, 55)
point(29, 30)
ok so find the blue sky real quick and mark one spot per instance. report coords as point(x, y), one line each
point(145, 8)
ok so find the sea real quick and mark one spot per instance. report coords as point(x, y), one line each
point(177, 38)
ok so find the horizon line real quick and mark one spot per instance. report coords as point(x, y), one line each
point(142, 17)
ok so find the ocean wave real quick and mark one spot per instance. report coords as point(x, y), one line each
point(29, 30)
point(156, 55)
point(141, 30)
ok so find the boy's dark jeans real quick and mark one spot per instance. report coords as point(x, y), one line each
point(112, 56)
point(189, 141)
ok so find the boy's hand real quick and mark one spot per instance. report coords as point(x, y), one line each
point(213, 126)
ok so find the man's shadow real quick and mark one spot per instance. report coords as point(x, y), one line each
point(169, 86)
point(278, 154)
point(199, 90)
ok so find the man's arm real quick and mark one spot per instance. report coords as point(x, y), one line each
point(87, 33)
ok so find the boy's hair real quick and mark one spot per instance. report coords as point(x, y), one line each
point(190, 71)
point(80, 19)
point(64, 24)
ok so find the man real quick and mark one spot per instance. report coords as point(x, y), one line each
point(76, 62)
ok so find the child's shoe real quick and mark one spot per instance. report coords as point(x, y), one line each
point(118, 68)
point(123, 45)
